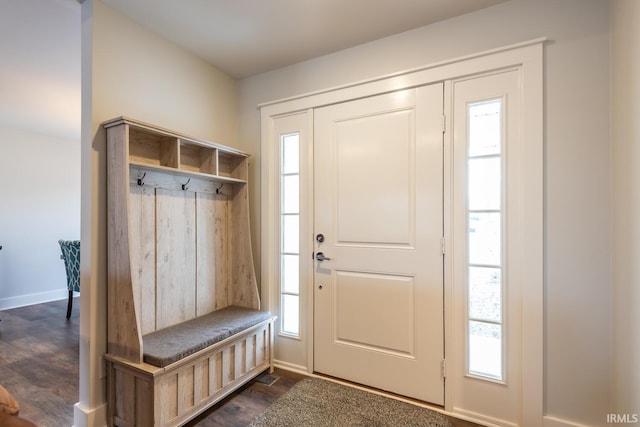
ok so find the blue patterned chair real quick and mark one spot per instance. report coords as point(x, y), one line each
point(71, 256)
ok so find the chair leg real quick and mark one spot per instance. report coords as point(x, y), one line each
point(69, 304)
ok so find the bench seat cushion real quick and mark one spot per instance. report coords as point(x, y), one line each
point(168, 345)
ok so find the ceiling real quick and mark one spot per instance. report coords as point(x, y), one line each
point(247, 37)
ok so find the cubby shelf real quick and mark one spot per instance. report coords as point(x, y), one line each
point(157, 149)
point(187, 173)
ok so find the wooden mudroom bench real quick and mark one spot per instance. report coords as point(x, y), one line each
point(178, 383)
point(185, 327)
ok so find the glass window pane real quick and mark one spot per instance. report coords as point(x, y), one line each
point(485, 128)
point(484, 183)
point(485, 349)
point(291, 153)
point(484, 238)
point(290, 194)
point(290, 314)
point(485, 293)
point(290, 233)
point(290, 273)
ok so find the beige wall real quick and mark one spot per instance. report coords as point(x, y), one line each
point(625, 44)
point(130, 71)
point(577, 169)
point(139, 74)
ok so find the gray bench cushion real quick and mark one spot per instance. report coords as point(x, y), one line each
point(168, 345)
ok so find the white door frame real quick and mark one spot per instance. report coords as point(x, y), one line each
point(528, 58)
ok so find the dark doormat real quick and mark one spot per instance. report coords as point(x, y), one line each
point(315, 402)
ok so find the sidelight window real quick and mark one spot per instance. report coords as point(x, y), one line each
point(485, 221)
point(290, 234)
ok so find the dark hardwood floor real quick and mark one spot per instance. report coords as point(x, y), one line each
point(39, 366)
point(39, 361)
point(247, 403)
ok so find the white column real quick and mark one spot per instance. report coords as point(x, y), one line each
point(90, 411)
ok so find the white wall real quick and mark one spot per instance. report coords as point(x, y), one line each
point(625, 43)
point(40, 73)
point(577, 169)
point(128, 70)
point(40, 188)
point(39, 146)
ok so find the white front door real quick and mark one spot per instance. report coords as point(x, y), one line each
point(378, 205)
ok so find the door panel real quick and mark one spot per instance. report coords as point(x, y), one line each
point(378, 296)
point(381, 170)
point(369, 330)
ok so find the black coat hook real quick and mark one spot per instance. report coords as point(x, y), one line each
point(184, 186)
point(219, 188)
point(141, 179)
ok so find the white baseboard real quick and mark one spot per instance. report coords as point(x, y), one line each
point(89, 417)
point(290, 367)
point(479, 418)
point(559, 422)
point(30, 299)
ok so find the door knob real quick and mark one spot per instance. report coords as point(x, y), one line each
point(320, 257)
